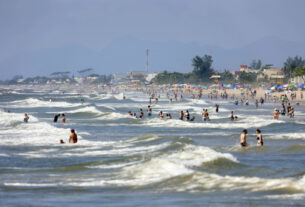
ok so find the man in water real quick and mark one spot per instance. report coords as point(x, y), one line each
point(243, 140)
point(73, 137)
point(56, 118)
point(259, 138)
point(26, 118)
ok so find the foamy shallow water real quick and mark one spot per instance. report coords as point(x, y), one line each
point(120, 160)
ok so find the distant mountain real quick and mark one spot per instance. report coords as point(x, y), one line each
point(128, 53)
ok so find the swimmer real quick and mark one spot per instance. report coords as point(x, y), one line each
point(259, 138)
point(235, 118)
point(243, 140)
point(141, 113)
point(276, 114)
point(256, 103)
point(291, 112)
point(232, 116)
point(63, 118)
point(181, 114)
point(193, 118)
point(129, 113)
point(168, 116)
point(187, 115)
point(56, 118)
point(149, 110)
point(161, 115)
point(26, 118)
point(217, 107)
point(61, 141)
point(73, 137)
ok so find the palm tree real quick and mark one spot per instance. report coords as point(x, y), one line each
point(197, 64)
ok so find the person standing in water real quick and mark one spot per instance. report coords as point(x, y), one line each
point(217, 107)
point(276, 114)
point(181, 114)
point(259, 138)
point(63, 118)
point(256, 103)
point(243, 140)
point(232, 116)
point(26, 118)
point(149, 111)
point(73, 137)
point(56, 118)
point(187, 115)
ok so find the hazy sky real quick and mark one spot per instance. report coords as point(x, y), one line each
point(30, 25)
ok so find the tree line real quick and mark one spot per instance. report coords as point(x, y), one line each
point(203, 70)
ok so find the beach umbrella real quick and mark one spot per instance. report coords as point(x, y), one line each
point(301, 85)
point(280, 87)
point(273, 87)
point(204, 87)
point(263, 85)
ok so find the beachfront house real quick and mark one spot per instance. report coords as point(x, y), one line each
point(244, 68)
point(136, 75)
point(275, 75)
point(297, 80)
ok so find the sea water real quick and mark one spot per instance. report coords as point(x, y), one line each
point(123, 161)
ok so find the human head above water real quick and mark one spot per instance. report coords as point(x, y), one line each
point(245, 131)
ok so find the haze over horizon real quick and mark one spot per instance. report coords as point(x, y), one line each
point(41, 37)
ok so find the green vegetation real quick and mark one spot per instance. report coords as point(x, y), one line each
point(226, 77)
point(300, 71)
point(202, 70)
point(247, 77)
point(256, 64)
point(291, 64)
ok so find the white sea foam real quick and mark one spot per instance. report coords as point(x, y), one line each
point(114, 116)
point(286, 136)
point(246, 122)
point(86, 109)
point(32, 102)
point(207, 181)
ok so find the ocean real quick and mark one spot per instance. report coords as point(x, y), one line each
point(123, 161)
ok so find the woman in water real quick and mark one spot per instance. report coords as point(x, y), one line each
point(63, 118)
point(259, 138)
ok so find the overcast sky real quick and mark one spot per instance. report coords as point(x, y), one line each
point(30, 25)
